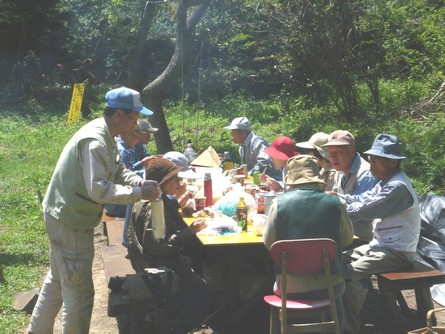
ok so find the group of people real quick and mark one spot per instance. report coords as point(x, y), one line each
point(332, 192)
point(106, 162)
point(325, 189)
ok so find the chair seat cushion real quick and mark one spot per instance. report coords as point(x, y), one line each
point(304, 304)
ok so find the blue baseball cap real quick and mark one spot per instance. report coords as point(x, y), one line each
point(126, 98)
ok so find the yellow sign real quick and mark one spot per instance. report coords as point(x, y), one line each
point(76, 102)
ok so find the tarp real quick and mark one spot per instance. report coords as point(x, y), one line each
point(431, 247)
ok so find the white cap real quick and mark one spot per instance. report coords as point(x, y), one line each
point(239, 123)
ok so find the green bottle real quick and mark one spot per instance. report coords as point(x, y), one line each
point(256, 176)
point(241, 214)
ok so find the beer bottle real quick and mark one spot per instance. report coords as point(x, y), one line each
point(241, 214)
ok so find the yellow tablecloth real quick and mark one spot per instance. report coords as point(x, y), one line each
point(243, 238)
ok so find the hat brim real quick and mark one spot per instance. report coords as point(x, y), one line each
point(276, 154)
point(149, 130)
point(235, 127)
point(170, 174)
point(144, 111)
point(189, 174)
point(305, 144)
point(322, 151)
point(303, 181)
point(336, 143)
point(380, 153)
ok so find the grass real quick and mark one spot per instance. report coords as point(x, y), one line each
point(30, 145)
point(29, 149)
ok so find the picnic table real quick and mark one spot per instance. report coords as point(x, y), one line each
point(231, 248)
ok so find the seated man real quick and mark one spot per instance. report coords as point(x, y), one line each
point(183, 195)
point(314, 147)
point(353, 175)
point(133, 156)
point(306, 211)
point(281, 150)
point(394, 210)
point(155, 240)
point(251, 148)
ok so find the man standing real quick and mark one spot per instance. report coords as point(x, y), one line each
point(306, 211)
point(87, 175)
point(393, 207)
point(251, 148)
point(354, 176)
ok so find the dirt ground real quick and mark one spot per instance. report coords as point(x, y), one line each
point(103, 324)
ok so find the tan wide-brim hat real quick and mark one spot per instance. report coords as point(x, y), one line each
point(316, 142)
point(161, 170)
point(303, 169)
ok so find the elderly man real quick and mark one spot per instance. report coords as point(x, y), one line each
point(133, 156)
point(251, 148)
point(394, 210)
point(306, 211)
point(314, 147)
point(125, 143)
point(354, 176)
point(87, 175)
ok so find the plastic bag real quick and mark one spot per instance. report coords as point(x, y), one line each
point(227, 204)
point(158, 218)
point(259, 223)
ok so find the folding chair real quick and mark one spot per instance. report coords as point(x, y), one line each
point(302, 257)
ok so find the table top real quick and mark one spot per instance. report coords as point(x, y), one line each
point(243, 238)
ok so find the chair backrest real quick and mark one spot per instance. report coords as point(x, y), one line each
point(304, 255)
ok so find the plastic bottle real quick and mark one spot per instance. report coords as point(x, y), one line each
point(227, 162)
point(158, 218)
point(256, 176)
point(189, 152)
point(208, 192)
point(241, 214)
point(260, 204)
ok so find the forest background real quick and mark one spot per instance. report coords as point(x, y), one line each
point(292, 67)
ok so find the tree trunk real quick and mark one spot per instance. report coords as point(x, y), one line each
point(154, 93)
point(134, 79)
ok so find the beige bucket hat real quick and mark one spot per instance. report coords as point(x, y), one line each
point(303, 169)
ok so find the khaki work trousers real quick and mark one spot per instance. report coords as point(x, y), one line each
point(69, 281)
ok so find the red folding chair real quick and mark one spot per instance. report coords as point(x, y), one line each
point(302, 257)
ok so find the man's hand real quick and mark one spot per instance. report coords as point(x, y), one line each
point(270, 182)
point(150, 190)
point(198, 225)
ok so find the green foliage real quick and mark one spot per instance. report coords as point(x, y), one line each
point(425, 149)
